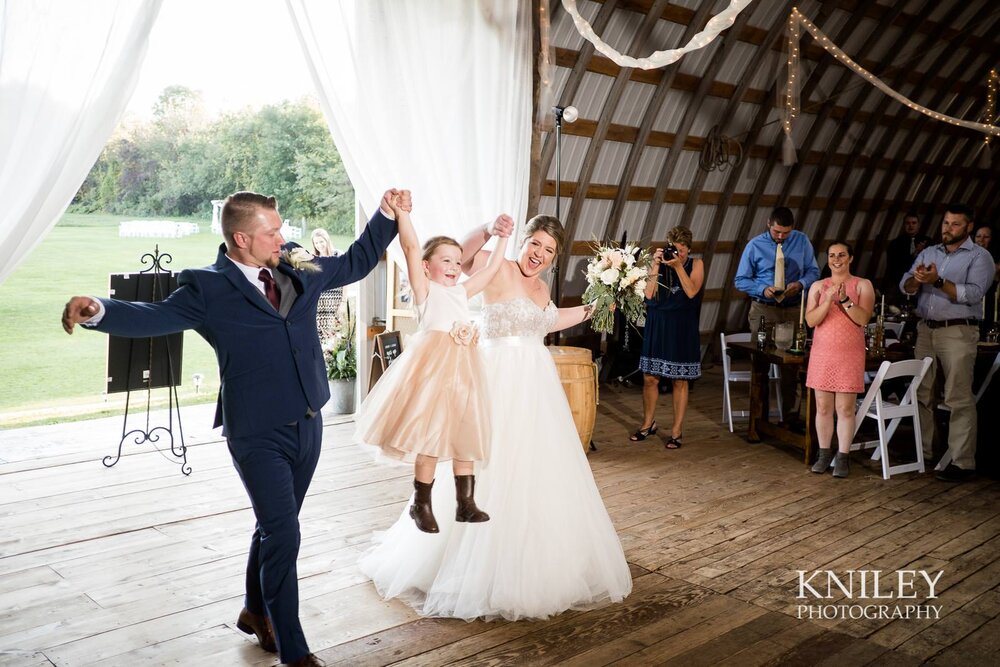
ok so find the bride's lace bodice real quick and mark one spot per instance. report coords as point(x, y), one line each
point(519, 316)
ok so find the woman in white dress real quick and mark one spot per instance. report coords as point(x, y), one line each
point(550, 545)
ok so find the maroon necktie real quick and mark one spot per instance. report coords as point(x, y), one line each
point(270, 288)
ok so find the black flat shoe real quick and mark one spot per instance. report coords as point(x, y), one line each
point(674, 443)
point(643, 433)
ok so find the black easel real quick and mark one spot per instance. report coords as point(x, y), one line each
point(144, 363)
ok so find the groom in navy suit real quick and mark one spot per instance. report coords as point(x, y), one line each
point(259, 314)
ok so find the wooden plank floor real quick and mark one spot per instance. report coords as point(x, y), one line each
point(138, 565)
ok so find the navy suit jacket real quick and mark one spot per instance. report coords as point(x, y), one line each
point(271, 367)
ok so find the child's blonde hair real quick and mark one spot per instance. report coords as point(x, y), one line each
point(435, 242)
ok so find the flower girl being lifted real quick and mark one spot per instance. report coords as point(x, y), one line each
point(431, 402)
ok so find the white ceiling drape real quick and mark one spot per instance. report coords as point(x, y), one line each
point(434, 97)
point(67, 71)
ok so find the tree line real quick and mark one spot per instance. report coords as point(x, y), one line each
point(177, 162)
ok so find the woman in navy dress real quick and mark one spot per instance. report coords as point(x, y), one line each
point(671, 345)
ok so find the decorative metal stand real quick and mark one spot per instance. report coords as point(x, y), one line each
point(156, 262)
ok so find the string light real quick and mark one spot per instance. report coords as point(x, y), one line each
point(991, 102)
point(796, 20)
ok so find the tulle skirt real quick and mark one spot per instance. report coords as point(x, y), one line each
point(549, 545)
point(432, 400)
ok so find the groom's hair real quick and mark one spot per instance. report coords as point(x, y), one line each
point(550, 225)
point(239, 210)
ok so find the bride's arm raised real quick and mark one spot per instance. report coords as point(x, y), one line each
point(474, 257)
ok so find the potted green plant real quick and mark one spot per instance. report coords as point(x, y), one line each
point(340, 352)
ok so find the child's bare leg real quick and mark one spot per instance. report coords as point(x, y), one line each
point(462, 467)
point(424, 467)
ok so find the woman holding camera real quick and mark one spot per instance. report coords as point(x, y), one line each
point(671, 346)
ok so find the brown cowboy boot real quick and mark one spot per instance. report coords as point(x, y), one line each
point(420, 510)
point(465, 487)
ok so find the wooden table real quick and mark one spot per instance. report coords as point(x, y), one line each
point(801, 435)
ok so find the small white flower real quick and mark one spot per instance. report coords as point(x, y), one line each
point(610, 276)
point(640, 287)
point(616, 258)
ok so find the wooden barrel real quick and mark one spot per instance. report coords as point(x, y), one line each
point(578, 375)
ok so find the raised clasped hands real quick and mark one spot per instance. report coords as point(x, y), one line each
point(503, 226)
point(925, 273)
point(393, 199)
point(78, 309)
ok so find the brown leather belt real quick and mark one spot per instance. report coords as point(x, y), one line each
point(937, 324)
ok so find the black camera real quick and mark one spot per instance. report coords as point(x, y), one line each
point(669, 252)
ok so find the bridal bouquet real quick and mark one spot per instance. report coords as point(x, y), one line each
point(616, 275)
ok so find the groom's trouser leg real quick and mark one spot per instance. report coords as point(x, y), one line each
point(276, 469)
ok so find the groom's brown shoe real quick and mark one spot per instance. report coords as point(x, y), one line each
point(255, 624)
point(309, 661)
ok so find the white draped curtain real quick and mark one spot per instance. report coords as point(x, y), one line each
point(434, 97)
point(67, 71)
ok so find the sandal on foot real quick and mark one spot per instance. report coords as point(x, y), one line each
point(674, 443)
point(643, 433)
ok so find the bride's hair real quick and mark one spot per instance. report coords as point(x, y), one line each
point(550, 225)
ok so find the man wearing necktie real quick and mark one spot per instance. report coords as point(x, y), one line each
point(775, 271)
point(259, 314)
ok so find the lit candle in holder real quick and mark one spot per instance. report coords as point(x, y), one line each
point(802, 310)
point(882, 310)
point(996, 302)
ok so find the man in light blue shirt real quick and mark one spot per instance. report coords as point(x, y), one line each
point(950, 279)
point(755, 276)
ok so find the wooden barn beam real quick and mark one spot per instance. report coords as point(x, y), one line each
point(666, 173)
point(730, 111)
point(871, 10)
point(639, 43)
point(750, 215)
point(862, 134)
point(637, 148)
point(568, 92)
point(901, 200)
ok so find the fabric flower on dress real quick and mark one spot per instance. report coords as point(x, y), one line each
point(464, 333)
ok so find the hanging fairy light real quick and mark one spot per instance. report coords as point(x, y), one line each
point(795, 21)
point(991, 102)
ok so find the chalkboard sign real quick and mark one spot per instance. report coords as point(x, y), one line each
point(388, 346)
point(143, 363)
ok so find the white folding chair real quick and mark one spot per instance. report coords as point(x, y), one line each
point(729, 375)
point(875, 405)
point(946, 459)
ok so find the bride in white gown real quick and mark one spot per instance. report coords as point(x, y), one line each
point(549, 545)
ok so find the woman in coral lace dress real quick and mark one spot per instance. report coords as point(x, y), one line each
point(839, 308)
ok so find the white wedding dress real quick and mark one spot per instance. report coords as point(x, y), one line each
point(549, 545)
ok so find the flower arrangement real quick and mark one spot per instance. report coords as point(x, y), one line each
point(339, 350)
point(616, 276)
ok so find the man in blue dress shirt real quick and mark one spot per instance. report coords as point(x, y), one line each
point(756, 277)
point(949, 280)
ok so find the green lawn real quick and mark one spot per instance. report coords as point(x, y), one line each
point(42, 366)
